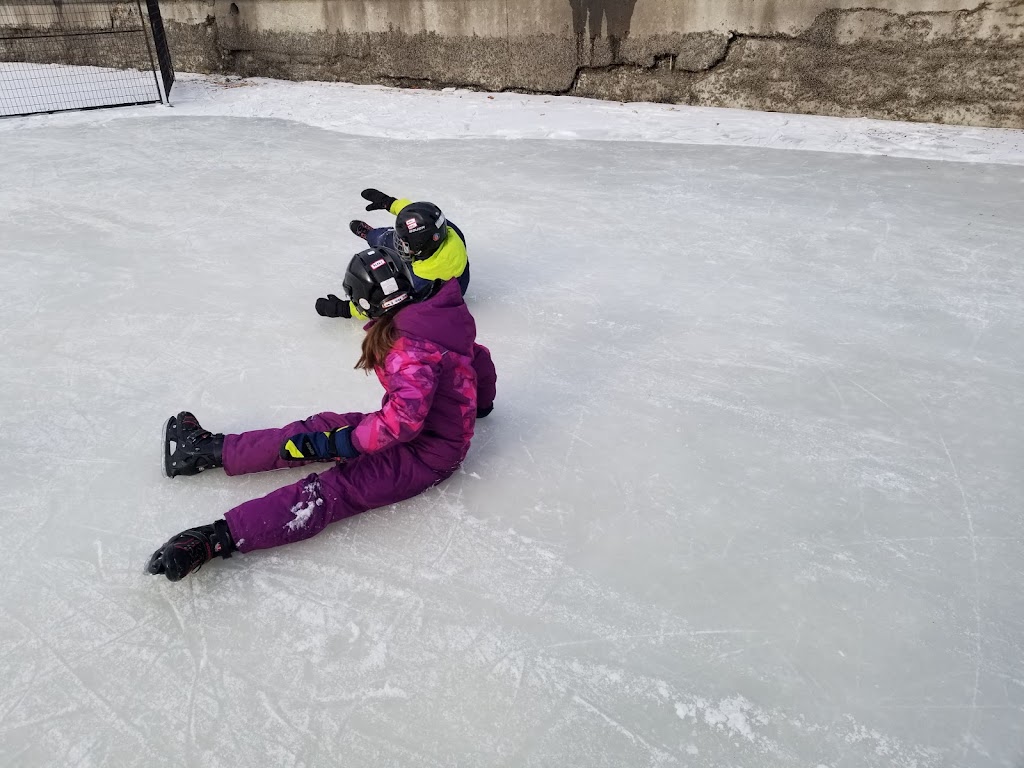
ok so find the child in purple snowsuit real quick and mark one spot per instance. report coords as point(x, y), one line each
point(437, 382)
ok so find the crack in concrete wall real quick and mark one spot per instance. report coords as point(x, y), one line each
point(924, 65)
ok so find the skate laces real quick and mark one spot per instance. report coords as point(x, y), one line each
point(196, 547)
point(188, 420)
point(194, 432)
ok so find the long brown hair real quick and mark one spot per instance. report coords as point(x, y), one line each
point(378, 342)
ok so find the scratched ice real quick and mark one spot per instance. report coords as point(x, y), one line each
point(750, 495)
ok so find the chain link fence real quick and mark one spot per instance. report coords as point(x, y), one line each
point(59, 55)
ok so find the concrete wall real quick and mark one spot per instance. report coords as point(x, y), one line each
point(36, 32)
point(933, 60)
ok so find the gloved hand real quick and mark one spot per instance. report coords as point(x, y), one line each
point(378, 200)
point(320, 446)
point(482, 412)
point(332, 306)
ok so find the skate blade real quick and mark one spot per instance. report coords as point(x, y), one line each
point(169, 425)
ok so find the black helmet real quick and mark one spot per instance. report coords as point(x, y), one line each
point(420, 230)
point(377, 280)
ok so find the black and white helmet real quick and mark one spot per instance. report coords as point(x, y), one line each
point(420, 229)
point(378, 279)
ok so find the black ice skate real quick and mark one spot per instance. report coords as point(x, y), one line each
point(189, 550)
point(188, 448)
point(360, 228)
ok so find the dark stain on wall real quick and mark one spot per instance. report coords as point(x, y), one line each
point(588, 18)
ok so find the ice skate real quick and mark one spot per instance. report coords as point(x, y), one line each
point(189, 550)
point(188, 448)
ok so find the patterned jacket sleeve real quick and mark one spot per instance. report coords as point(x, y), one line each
point(410, 376)
point(486, 377)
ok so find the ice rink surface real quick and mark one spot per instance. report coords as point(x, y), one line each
point(750, 496)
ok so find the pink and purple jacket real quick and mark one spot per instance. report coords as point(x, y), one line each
point(435, 378)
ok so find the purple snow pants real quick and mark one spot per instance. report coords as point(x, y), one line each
point(303, 509)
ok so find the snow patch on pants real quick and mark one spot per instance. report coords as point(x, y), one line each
point(309, 500)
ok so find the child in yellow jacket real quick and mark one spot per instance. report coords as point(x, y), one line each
point(434, 246)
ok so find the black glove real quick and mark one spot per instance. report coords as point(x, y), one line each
point(482, 412)
point(378, 200)
point(320, 446)
point(332, 306)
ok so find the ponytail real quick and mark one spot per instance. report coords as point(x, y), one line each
point(378, 342)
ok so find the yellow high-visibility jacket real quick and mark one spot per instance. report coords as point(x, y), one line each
point(448, 262)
